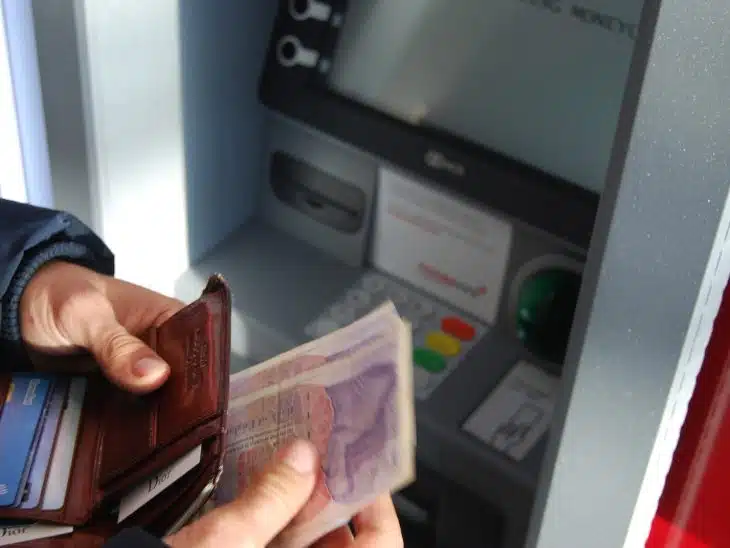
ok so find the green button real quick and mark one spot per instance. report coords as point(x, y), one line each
point(545, 311)
point(429, 360)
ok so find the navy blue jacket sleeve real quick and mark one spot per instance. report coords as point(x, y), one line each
point(30, 237)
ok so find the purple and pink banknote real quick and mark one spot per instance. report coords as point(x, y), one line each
point(350, 394)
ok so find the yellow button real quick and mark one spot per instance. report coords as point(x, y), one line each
point(444, 344)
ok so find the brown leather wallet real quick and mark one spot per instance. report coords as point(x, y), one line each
point(124, 439)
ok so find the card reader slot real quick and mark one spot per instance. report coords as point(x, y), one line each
point(316, 194)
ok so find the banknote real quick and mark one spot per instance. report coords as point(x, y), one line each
point(350, 393)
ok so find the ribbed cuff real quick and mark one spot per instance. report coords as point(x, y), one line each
point(32, 262)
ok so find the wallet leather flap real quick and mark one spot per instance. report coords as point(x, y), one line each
point(195, 342)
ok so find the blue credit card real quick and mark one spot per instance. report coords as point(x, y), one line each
point(42, 457)
point(22, 414)
point(33, 448)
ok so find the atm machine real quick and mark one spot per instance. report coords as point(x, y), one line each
point(470, 161)
point(406, 161)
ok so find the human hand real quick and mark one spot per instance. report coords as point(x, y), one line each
point(274, 500)
point(66, 307)
point(376, 526)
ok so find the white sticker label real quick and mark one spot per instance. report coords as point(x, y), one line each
point(15, 534)
point(518, 413)
point(153, 486)
point(440, 245)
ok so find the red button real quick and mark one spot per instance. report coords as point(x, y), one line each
point(458, 328)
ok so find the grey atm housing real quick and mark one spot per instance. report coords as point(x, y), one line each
point(652, 278)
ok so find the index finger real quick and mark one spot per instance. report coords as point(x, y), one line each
point(377, 525)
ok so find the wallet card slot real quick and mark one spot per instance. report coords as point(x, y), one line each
point(166, 512)
point(208, 431)
point(169, 501)
point(66, 541)
point(130, 432)
point(81, 493)
point(171, 497)
point(165, 508)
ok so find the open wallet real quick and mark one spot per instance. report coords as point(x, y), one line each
point(81, 459)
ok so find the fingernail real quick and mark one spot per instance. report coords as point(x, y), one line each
point(301, 456)
point(147, 367)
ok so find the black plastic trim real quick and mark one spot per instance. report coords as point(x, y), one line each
point(543, 201)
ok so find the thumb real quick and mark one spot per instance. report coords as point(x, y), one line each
point(124, 359)
point(263, 510)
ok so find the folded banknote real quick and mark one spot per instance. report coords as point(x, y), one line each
point(351, 394)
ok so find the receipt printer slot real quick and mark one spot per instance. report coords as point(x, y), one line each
point(319, 195)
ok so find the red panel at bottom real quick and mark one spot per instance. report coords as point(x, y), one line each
point(693, 510)
point(664, 534)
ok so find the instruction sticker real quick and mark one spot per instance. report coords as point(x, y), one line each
point(518, 413)
point(438, 244)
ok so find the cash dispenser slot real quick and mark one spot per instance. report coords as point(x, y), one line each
point(437, 514)
point(316, 194)
point(417, 511)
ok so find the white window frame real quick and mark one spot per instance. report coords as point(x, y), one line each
point(12, 171)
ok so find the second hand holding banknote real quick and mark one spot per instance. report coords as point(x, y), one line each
point(351, 394)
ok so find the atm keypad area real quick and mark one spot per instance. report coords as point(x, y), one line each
point(485, 375)
point(442, 336)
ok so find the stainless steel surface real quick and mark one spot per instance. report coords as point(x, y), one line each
point(657, 268)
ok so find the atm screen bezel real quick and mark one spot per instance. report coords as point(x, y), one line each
point(517, 191)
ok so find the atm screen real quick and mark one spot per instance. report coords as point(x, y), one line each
point(539, 81)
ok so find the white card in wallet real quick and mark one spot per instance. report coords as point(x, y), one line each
point(17, 533)
point(153, 486)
